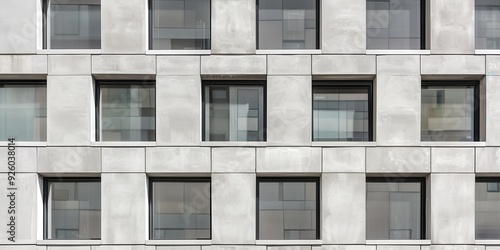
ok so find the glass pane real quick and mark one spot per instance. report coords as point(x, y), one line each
point(128, 112)
point(23, 112)
point(287, 24)
point(393, 210)
point(487, 24)
point(448, 113)
point(75, 24)
point(287, 210)
point(181, 210)
point(487, 210)
point(393, 24)
point(181, 24)
point(74, 210)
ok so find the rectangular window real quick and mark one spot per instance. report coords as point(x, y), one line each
point(180, 209)
point(23, 110)
point(179, 24)
point(288, 208)
point(234, 111)
point(72, 208)
point(395, 24)
point(288, 24)
point(72, 24)
point(342, 111)
point(126, 111)
point(487, 208)
point(395, 208)
point(450, 111)
point(487, 24)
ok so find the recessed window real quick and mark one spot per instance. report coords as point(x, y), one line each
point(288, 24)
point(395, 24)
point(126, 111)
point(487, 24)
point(487, 208)
point(72, 209)
point(288, 208)
point(450, 111)
point(395, 208)
point(72, 24)
point(179, 24)
point(234, 111)
point(342, 111)
point(180, 209)
point(23, 110)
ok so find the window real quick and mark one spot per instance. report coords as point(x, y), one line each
point(72, 209)
point(395, 24)
point(288, 208)
point(23, 110)
point(126, 110)
point(487, 208)
point(235, 111)
point(395, 208)
point(487, 24)
point(342, 111)
point(72, 24)
point(450, 111)
point(180, 208)
point(287, 24)
point(179, 24)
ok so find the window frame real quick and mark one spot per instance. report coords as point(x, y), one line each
point(152, 180)
point(340, 85)
point(315, 180)
point(46, 181)
point(476, 102)
point(423, 198)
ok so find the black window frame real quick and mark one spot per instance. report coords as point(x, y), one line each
point(347, 84)
point(152, 180)
point(423, 197)
point(46, 181)
point(316, 180)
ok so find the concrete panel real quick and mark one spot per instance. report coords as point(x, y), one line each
point(123, 208)
point(400, 65)
point(233, 216)
point(18, 27)
point(289, 160)
point(178, 160)
point(343, 64)
point(69, 65)
point(23, 64)
point(289, 248)
point(26, 159)
point(124, 64)
point(398, 110)
point(457, 247)
point(233, 160)
point(452, 160)
point(398, 159)
point(22, 247)
point(289, 65)
point(289, 111)
point(123, 26)
point(343, 26)
point(233, 27)
point(350, 159)
point(453, 64)
point(69, 247)
point(233, 65)
point(178, 65)
point(178, 110)
point(395, 247)
point(488, 160)
point(123, 247)
point(343, 208)
point(492, 110)
point(452, 226)
point(178, 247)
point(123, 160)
point(23, 207)
point(69, 160)
point(344, 247)
point(69, 105)
point(492, 65)
point(229, 247)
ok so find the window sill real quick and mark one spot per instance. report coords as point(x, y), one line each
point(123, 144)
point(487, 242)
point(288, 51)
point(289, 242)
point(343, 144)
point(178, 242)
point(398, 242)
point(453, 144)
point(68, 242)
point(70, 52)
point(233, 144)
point(178, 52)
point(487, 51)
point(398, 52)
point(25, 143)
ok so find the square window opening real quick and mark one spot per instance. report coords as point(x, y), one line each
point(487, 208)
